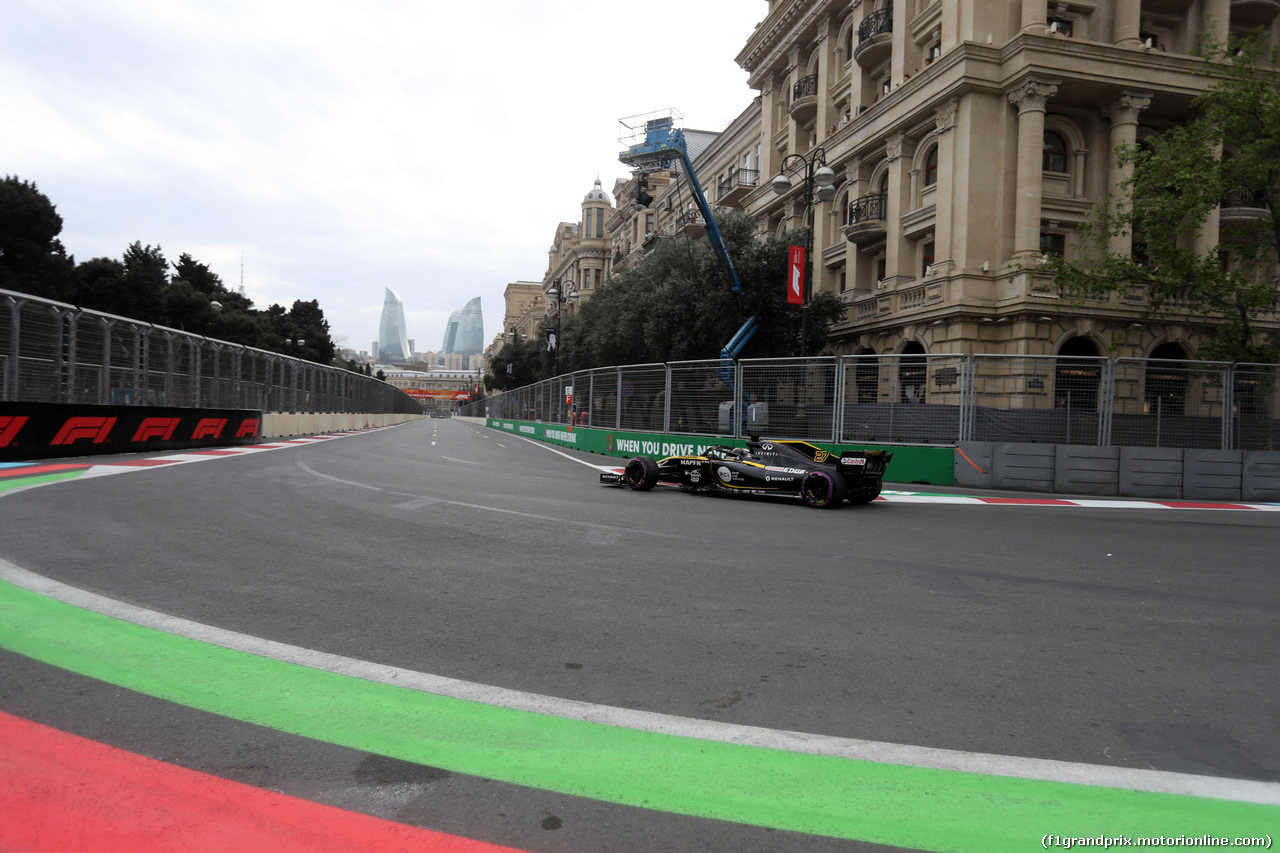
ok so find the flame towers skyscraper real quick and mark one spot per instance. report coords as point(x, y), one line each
point(393, 337)
point(464, 334)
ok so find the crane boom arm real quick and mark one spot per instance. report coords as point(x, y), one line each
point(662, 142)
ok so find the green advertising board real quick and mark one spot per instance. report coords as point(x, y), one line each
point(911, 464)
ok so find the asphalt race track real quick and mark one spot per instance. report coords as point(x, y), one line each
point(444, 637)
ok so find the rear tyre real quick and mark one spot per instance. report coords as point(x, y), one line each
point(865, 495)
point(641, 474)
point(821, 490)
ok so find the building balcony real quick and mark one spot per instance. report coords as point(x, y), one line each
point(1254, 13)
point(804, 98)
point(689, 224)
point(867, 218)
point(875, 38)
point(1243, 206)
point(733, 189)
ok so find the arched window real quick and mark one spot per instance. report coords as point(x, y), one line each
point(912, 370)
point(931, 167)
point(1166, 391)
point(866, 375)
point(1077, 380)
point(1055, 152)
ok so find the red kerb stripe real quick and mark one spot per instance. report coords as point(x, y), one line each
point(59, 791)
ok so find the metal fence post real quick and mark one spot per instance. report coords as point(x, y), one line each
point(1107, 403)
point(10, 373)
point(666, 398)
point(739, 398)
point(1228, 406)
point(841, 389)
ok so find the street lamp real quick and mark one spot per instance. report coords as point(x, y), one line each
point(558, 296)
point(819, 187)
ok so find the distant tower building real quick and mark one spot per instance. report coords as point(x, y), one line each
point(464, 333)
point(393, 340)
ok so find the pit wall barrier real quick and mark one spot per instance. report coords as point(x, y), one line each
point(924, 465)
point(1168, 473)
point(56, 430)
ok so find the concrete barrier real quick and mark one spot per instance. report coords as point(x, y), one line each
point(1151, 472)
point(1026, 467)
point(974, 462)
point(1160, 473)
point(1086, 470)
point(288, 424)
point(1261, 475)
point(1212, 475)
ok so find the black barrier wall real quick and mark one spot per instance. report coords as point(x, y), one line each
point(48, 430)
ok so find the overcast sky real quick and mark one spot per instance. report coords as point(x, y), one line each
point(345, 147)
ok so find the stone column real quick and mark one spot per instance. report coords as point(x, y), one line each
point(944, 120)
point(1123, 113)
point(826, 117)
point(1127, 29)
point(1211, 230)
point(769, 99)
point(1030, 99)
point(794, 72)
point(1035, 16)
point(897, 261)
point(1217, 18)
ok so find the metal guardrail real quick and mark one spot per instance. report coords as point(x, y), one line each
point(872, 206)
point(924, 399)
point(51, 352)
point(876, 23)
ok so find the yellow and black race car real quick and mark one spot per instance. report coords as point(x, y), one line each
point(795, 468)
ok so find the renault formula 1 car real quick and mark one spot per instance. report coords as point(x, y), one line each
point(794, 468)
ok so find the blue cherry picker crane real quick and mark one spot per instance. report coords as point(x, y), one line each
point(654, 142)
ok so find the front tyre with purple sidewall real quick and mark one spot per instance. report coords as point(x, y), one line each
point(641, 474)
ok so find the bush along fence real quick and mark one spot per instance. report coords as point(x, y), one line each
point(1166, 414)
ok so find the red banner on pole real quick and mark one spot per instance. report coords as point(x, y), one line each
point(795, 276)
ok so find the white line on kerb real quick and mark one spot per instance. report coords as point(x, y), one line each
point(1157, 781)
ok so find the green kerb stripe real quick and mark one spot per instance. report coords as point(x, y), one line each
point(940, 810)
point(22, 482)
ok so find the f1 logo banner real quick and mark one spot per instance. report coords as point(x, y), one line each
point(795, 276)
point(45, 430)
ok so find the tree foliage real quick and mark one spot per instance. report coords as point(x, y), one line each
point(525, 361)
point(1227, 153)
point(678, 304)
point(143, 285)
point(32, 259)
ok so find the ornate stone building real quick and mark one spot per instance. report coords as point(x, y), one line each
point(968, 138)
point(578, 260)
